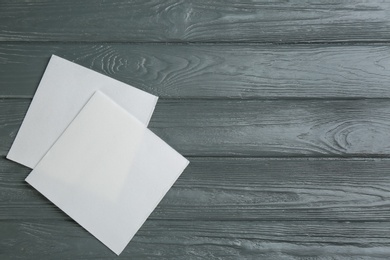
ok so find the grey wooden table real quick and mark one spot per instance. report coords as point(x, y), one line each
point(283, 108)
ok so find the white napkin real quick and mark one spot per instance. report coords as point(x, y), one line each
point(107, 171)
point(63, 91)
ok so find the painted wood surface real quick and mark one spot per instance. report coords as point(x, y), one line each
point(201, 240)
point(195, 21)
point(326, 128)
point(282, 107)
point(213, 71)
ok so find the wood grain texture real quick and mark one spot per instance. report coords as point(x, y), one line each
point(255, 128)
point(195, 21)
point(289, 143)
point(213, 71)
point(232, 189)
point(201, 240)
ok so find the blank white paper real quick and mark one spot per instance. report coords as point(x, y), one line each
point(64, 89)
point(107, 171)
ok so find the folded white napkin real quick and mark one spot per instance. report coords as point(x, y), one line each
point(107, 171)
point(64, 89)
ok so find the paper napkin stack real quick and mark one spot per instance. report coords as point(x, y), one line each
point(85, 136)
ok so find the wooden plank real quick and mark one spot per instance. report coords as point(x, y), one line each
point(255, 128)
point(195, 21)
point(201, 240)
point(232, 189)
point(213, 71)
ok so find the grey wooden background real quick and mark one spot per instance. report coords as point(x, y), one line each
point(282, 107)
